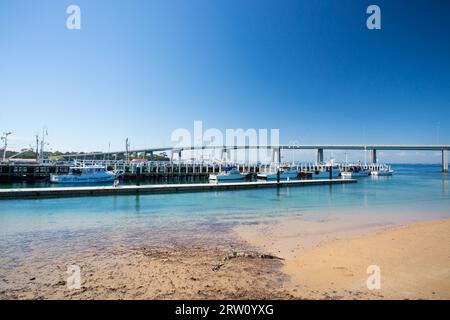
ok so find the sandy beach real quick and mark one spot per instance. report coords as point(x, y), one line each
point(414, 259)
point(289, 259)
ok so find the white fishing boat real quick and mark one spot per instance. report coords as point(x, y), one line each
point(286, 172)
point(382, 172)
point(85, 174)
point(355, 171)
point(355, 174)
point(228, 174)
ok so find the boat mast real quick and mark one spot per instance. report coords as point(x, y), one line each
point(37, 147)
point(5, 138)
point(44, 133)
point(127, 145)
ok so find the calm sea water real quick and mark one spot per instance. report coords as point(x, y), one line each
point(414, 192)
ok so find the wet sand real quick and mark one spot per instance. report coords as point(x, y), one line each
point(171, 272)
point(318, 260)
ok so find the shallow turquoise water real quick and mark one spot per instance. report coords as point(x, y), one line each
point(419, 190)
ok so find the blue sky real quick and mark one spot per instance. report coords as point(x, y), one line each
point(141, 69)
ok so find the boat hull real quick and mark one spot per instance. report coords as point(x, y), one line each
point(274, 176)
point(359, 174)
point(82, 179)
point(227, 177)
point(382, 173)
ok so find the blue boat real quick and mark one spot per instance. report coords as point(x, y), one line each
point(89, 174)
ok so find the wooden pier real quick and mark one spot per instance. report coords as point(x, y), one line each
point(159, 171)
point(25, 193)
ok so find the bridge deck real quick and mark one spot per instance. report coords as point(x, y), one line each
point(398, 147)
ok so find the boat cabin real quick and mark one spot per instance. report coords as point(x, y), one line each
point(86, 170)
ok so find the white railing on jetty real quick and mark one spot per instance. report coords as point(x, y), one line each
point(198, 166)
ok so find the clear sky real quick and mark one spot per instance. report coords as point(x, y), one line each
point(141, 69)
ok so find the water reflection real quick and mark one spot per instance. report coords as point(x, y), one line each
point(137, 204)
point(445, 184)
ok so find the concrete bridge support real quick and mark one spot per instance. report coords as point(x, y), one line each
point(319, 155)
point(374, 156)
point(276, 154)
point(225, 154)
point(444, 160)
point(173, 153)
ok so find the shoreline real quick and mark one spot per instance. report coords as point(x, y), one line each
point(320, 261)
point(161, 273)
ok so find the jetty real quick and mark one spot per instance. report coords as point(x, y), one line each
point(154, 171)
point(62, 192)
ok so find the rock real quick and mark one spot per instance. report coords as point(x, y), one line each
point(217, 267)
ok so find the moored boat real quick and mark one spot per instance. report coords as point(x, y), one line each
point(324, 172)
point(86, 174)
point(228, 174)
point(286, 172)
point(355, 172)
point(384, 171)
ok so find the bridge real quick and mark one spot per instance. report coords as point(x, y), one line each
point(277, 150)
